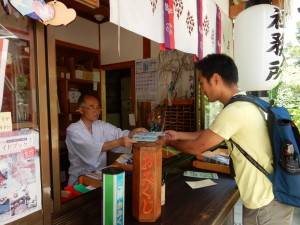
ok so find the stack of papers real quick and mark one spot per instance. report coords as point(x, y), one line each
point(147, 136)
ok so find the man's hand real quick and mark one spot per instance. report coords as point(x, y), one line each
point(123, 141)
point(137, 131)
point(171, 134)
point(163, 140)
point(126, 141)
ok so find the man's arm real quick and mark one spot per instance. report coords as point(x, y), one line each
point(206, 139)
point(124, 142)
point(182, 136)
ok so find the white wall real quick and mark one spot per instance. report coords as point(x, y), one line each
point(154, 49)
point(131, 44)
point(80, 32)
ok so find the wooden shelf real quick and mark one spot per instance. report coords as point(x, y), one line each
point(180, 116)
point(80, 56)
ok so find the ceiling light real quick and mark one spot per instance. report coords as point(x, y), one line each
point(99, 17)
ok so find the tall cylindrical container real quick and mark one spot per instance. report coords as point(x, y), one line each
point(113, 195)
point(147, 180)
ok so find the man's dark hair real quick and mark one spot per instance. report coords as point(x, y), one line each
point(221, 64)
point(81, 99)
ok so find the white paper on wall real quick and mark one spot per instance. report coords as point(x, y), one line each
point(146, 79)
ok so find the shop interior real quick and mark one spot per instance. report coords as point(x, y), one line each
point(50, 66)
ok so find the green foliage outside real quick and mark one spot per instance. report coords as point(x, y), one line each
point(287, 92)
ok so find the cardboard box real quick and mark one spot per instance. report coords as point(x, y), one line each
point(79, 74)
point(88, 75)
point(61, 71)
point(211, 166)
point(124, 166)
point(89, 181)
point(96, 75)
point(199, 163)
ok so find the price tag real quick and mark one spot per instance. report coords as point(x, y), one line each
point(5, 122)
point(95, 86)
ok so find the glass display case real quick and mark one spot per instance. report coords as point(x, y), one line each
point(19, 89)
point(24, 139)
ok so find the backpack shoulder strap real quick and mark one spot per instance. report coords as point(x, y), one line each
point(250, 98)
point(251, 160)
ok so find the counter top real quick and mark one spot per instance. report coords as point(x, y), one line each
point(187, 206)
point(184, 206)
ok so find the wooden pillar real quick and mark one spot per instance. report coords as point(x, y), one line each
point(147, 180)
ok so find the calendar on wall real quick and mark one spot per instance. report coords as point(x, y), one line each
point(146, 79)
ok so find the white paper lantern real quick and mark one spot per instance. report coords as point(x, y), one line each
point(258, 39)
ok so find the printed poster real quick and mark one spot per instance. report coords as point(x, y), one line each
point(146, 79)
point(20, 182)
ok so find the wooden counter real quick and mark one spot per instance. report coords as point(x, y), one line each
point(187, 206)
point(184, 205)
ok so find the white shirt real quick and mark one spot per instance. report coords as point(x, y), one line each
point(84, 148)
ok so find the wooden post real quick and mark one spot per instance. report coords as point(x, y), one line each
point(147, 180)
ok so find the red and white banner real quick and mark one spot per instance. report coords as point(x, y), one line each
point(144, 17)
point(194, 27)
point(180, 18)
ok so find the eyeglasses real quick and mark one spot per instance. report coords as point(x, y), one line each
point(93, 107)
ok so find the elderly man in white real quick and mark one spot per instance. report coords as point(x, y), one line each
point(89, 139)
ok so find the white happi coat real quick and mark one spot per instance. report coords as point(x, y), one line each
point(84, 148)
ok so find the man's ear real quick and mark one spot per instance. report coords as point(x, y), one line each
point(80, 110)
point(216, 78)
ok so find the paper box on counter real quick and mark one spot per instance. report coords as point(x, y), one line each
point(217, 160)
point(96, 75)
point(90, 180)
point(79, 74)
point(61, 71)
point(88, 75)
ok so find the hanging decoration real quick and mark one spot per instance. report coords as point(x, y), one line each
point(208, 29)
point(194, 27)
point(258, 39)
point(43, 11)
point(180, 21)
point(146, 19)
point(53, 13)
point(23, 6)
point(226, 35)
point(63, 15)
